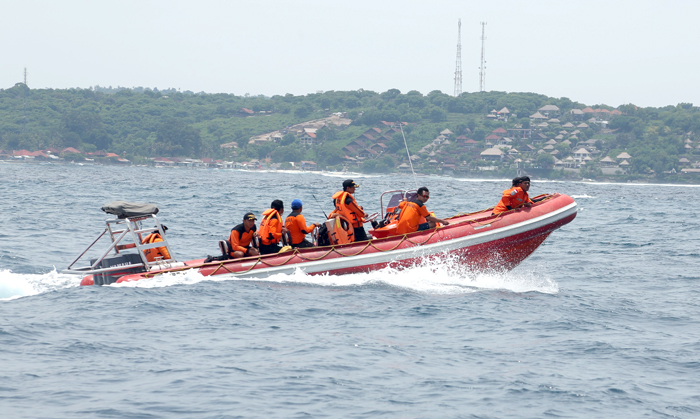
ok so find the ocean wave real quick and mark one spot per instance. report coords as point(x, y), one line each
point(14, 285)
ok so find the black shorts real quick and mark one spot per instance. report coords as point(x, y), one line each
point(302, 244)
point(268, 249)
point(423, 226)
point(360, 234)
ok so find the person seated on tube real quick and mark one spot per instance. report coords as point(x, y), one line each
point(515, 197)
point(413, 211)
point(241, 238)
point(271, 228)
point(160, 253)
point(296, 224)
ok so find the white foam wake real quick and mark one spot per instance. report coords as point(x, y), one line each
point(13, 285)
point(436, 276)
point(444, 276)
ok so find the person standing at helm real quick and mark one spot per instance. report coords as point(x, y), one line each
point(241, 237)
point(156, 252)
point(515, 197)
point(271, 228)
point(346, 205)
point(413, 211)
point(296, 224)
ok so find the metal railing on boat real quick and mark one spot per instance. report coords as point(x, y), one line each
point(125, 233)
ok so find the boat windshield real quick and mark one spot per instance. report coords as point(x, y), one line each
point(410, 196)
point(395, 198)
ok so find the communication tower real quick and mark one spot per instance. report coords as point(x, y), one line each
point(458, 69)
point(482, 67)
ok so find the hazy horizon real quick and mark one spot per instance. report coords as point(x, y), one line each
point(596, 52)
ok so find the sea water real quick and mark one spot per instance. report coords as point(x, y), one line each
point(601, 321)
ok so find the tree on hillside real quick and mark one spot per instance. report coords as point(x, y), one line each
point(84, 126)
point(288, 139)
point(545, 161)
point(175, 138)
point(286, 154)
point(304, 110)
point(329, 155)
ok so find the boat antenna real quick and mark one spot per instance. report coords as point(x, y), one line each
point(408, 154)
point(319, 206)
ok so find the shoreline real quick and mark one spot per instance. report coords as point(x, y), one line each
point(349, 173)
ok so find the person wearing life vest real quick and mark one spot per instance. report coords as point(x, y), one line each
point(241, 238)
point(296, 224)
point(160, 253)
point(515, 197)
point(413, 211)
point(271, 228)
point(346, 205)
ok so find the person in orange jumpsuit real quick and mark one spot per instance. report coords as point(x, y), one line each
point(412, 212)
point(346, 205)
point(241, 237)
point(271, 228)
point(160, 253)
point(515, 197)
point(296, 224)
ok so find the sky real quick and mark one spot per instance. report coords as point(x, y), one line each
point(610, 52)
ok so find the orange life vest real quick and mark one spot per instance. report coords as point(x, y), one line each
point(514, 198)
point(296, 224)
point(410, 218)
point(152, 254)
point(351, 210)
point(342, 231)
point(240, 239)
point(270, 227)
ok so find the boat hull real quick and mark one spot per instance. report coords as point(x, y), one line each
point(479, 240)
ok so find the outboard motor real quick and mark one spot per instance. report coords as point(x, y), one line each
point(122, 259)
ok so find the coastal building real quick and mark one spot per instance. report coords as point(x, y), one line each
point(308, 165)
point(520, 133)
point(492, 154)
point(503, 114)
point(307, 138)
point(577, 114)
point(549, 111)
point(581, 154)
point(470, 144)
point(404, 168)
